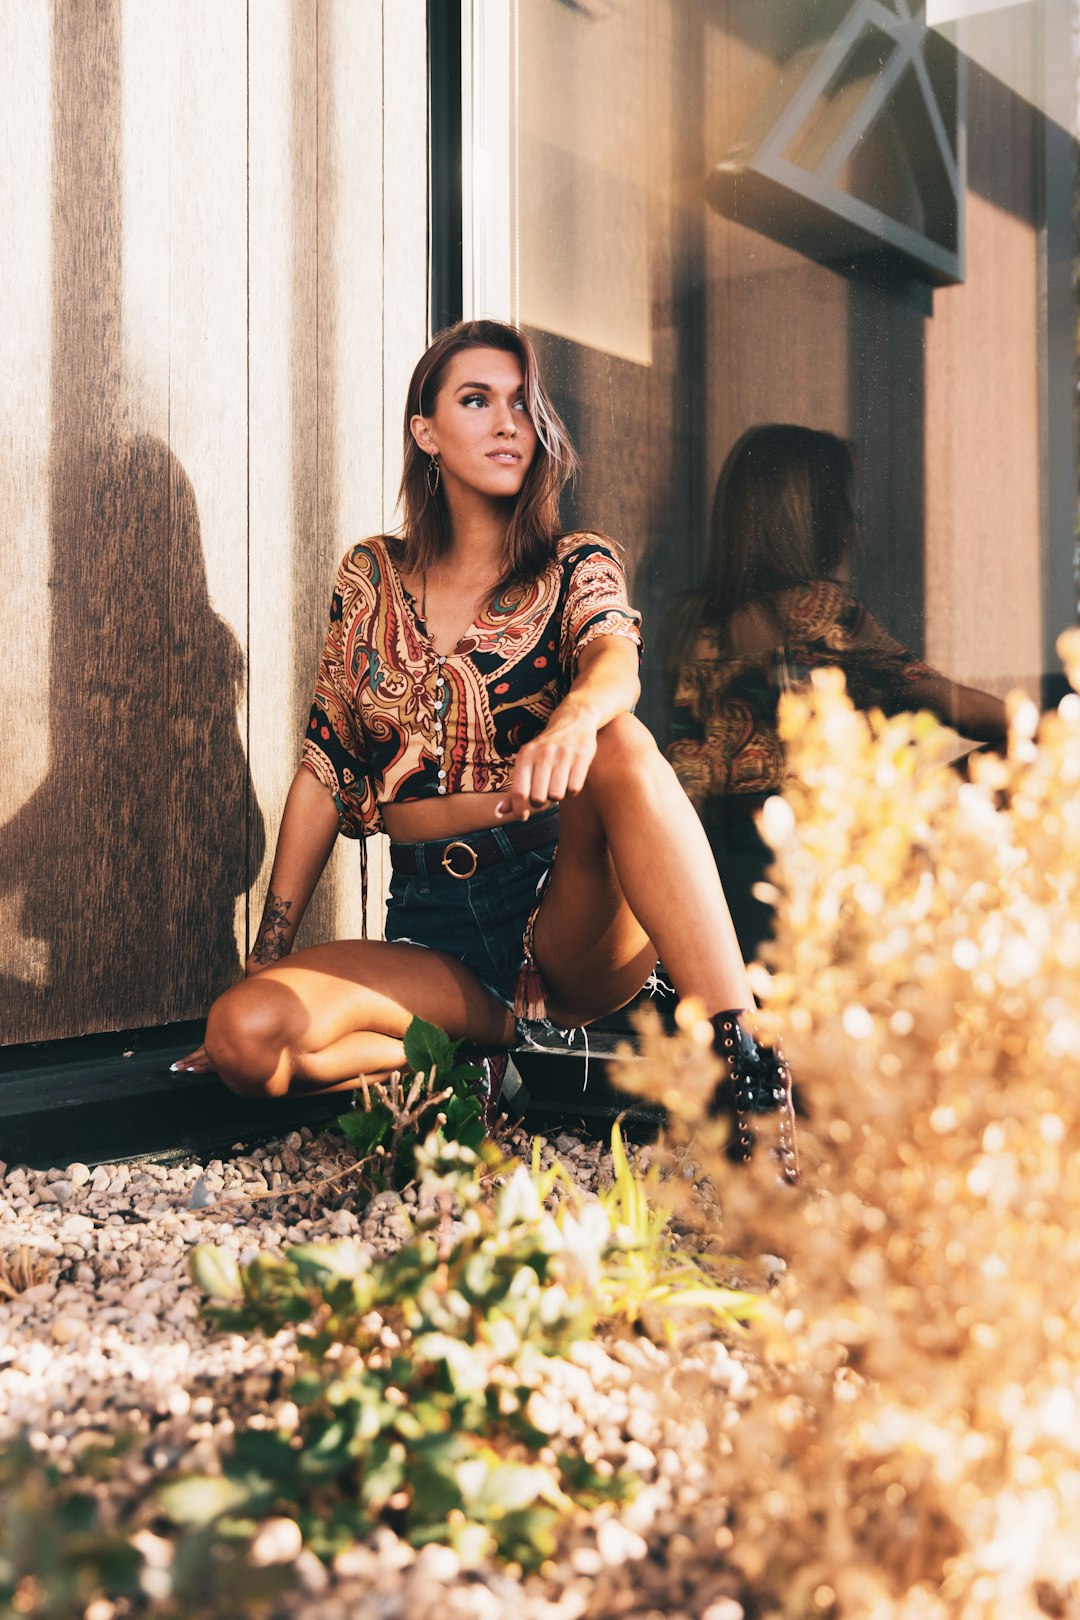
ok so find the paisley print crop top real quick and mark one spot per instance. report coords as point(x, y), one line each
point(394, 720)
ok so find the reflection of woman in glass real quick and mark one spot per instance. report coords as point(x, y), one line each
point(474, 701)
point(773, 607)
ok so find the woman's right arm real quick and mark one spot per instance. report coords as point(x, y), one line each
point(309, 828)
point(881, 671)
point(332, 791)
point(969, 711)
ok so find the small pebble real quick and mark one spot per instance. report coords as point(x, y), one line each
point(65, 1329)
point(278, 1541)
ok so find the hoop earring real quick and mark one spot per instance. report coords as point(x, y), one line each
point(433, 474)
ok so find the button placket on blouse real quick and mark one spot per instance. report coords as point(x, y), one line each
point(440, 701)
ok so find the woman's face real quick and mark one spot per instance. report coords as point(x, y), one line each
point(479, 427)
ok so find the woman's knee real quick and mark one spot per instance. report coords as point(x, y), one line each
point(626, 751)
point(247, 1038)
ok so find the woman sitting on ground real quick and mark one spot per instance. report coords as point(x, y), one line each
point(475, 701)
point(774, 606)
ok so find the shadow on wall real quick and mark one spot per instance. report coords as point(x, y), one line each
point(130, 855)
point(120, 874)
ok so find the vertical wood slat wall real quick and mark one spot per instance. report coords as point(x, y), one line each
point(214, 259)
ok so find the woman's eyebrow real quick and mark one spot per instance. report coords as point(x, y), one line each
point(488, 388)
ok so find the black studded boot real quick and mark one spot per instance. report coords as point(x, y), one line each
point(758, 1081)
point(498, 1088)
point(487, 1088)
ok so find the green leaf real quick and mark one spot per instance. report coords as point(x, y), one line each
point(435, 1488)
point(366, 1129)
point(405, 1158)
point(215, 1272)
point(586, 1486)
point(315, 1261)
point(307, 1388)
point(328, 1448)
point(199, 1499)
point(268, 1453)
point(428, 1047)
point(509, 1488)
point(526, 1537)
point(471, 1542)
point(464, 1121)
point(384, 1473)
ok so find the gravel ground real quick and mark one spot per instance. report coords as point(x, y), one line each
point(113, 1342)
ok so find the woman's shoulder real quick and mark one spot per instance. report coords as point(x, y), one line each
point(827, 593)
point(810, 610)
point(377, 548)
point(578, 543)
point(366, 560)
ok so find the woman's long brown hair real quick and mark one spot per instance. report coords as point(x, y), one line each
point(533, 526)
point(783, 514)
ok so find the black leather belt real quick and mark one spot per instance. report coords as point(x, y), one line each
point(463, 856)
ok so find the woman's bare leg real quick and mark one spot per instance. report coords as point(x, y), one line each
point(634, 879)
point(321, 1018)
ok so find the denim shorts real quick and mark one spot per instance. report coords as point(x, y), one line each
point(480, 920)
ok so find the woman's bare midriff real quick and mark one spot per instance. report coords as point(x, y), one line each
point(420, 819)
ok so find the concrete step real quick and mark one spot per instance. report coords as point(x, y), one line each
point(109, 1097)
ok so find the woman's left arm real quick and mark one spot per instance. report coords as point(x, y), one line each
point(555, 764)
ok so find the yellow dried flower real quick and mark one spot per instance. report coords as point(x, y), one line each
point(914, 1449)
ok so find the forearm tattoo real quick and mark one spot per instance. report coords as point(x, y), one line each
point(271, 942)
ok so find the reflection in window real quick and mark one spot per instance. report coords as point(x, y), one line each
point(833, 216)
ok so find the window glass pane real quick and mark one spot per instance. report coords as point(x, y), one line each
point(850, 217)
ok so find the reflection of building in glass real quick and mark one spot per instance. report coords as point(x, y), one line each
point(674, 309)
point(857, 148)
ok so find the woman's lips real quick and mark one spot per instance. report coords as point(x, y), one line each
point(503, 455)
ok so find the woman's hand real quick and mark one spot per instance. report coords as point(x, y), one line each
point(196, 1062)
point(554, 765)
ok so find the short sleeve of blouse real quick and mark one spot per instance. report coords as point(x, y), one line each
point(833, 627)
point(335, 751)
point(595, 599)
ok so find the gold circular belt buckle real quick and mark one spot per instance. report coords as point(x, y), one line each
point(457, 844)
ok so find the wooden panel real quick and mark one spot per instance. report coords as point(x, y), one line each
point(133, 844)
point(313, 545)
point(403, 268)
point(133, 512)
point(274, 723)
point(205, 858)
point(338, 298)
point(316, 157)
point(352, 321)
point(26, 717)
point(89, 838)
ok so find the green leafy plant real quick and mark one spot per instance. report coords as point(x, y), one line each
point(647, 1275)
point(414, 1402)
point(64, 1543)
point(56, 1550)
point(397, 1113)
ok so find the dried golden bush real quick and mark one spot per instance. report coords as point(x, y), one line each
point(914, 1446)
